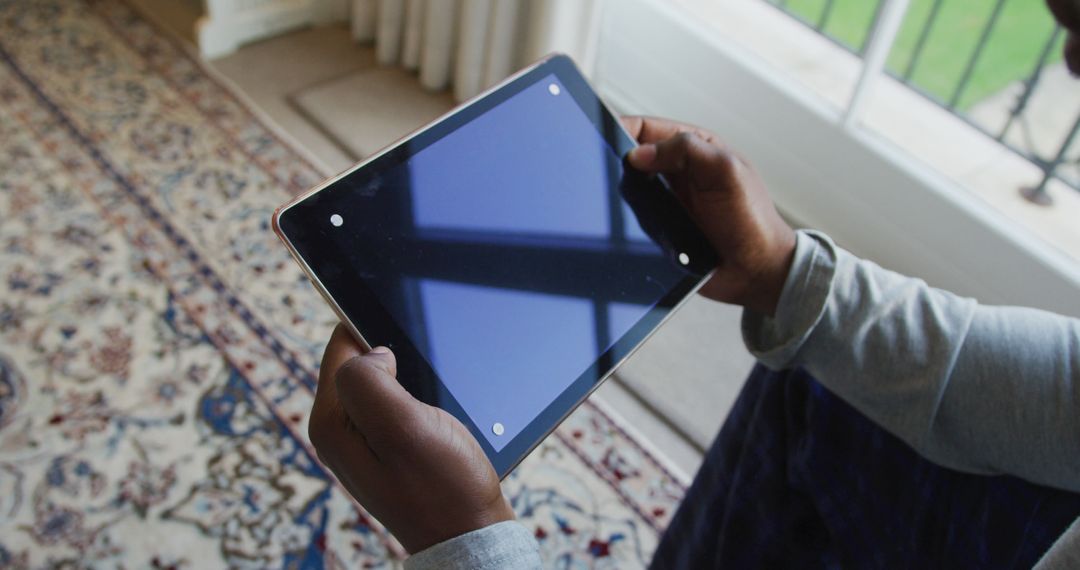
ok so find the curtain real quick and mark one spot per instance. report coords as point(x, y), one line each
point(470, 45)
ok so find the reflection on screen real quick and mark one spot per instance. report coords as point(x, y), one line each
point(515, 333)
point(483, 183)
point(506, 253)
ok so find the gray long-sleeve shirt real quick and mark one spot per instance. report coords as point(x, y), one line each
point(990, 390)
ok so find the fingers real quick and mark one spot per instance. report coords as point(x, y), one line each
point(341, 348)
point(670, 156)
point(327, 414)
point(329, 427)
point(1067, 13)
point(390, 419)
point(652, 130)
point(707, 165)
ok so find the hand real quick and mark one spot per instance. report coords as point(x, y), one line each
point(412, 466)
point(729, 203)
point(1067, 13)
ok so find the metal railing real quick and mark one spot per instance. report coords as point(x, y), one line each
point(1052, 165)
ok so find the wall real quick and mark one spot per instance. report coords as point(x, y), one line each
point(651, 58)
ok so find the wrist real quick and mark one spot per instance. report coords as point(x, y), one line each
point(451, 527)
point(768, 284)
point(500, 545)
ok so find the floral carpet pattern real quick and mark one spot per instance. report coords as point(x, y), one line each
point(158, 348)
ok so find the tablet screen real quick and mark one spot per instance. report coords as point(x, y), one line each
point(533, 170)
point(505, 252)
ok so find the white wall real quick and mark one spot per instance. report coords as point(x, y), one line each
point(651, 58)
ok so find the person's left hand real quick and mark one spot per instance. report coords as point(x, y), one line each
point(414, 467)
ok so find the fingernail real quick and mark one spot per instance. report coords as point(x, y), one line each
point(642, 155)
point(380, 350)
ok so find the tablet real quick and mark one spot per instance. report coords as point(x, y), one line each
point(505, 252)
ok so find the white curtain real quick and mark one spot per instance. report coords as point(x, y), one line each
point(470, 45)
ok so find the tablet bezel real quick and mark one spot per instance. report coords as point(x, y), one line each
point(383, 329)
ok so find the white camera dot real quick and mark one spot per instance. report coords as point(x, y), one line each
point(336, 220)
point(554, 89)
point(684, 259)
point(498, 428)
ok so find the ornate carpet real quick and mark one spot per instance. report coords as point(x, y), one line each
point(158, 348)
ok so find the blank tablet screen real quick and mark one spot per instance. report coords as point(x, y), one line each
point(504, 251)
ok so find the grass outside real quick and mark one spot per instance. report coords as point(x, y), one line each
point(1010, 55)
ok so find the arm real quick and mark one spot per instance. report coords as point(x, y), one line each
point(985, 389)
point(976, 388)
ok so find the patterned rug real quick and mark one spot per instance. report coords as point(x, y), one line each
point(158, 348)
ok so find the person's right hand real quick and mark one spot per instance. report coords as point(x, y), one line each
point(727, 199)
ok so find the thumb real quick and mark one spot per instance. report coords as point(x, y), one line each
point(377, 404)
point(382, 358)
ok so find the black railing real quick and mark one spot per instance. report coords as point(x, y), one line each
point(953, 98)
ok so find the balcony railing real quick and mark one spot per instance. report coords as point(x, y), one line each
point(872, 31)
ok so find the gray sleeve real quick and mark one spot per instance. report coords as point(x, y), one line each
point(502, 545)
point(1064, 554)
point(981, 389)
